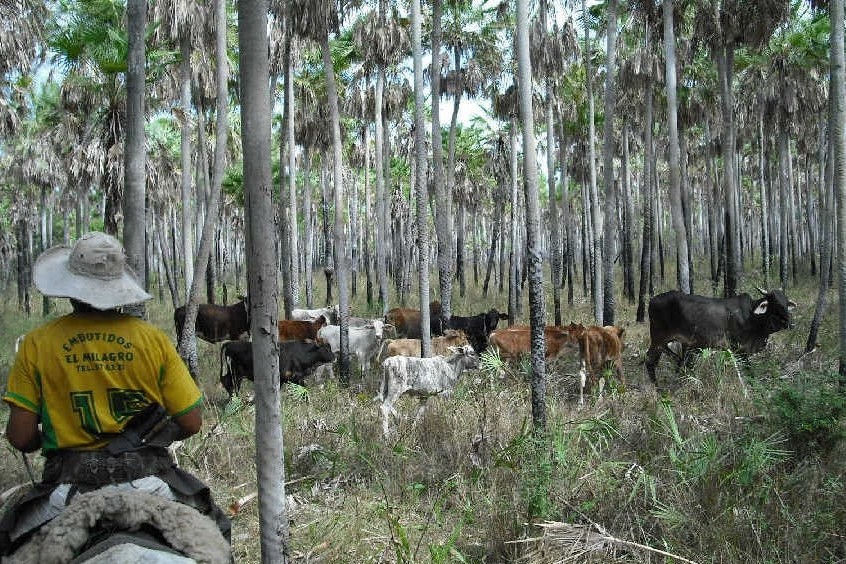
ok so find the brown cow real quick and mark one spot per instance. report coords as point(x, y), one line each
point(413, 347)
point(407, 320)
point(599, 346)
point(514, 341)
point(216, 323)
point(298, 330)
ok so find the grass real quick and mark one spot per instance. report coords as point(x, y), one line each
point(730, 463)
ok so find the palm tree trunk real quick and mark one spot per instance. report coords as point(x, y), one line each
point(676, 211)
point(308, 223)
point(608, 224)
point(554, 227)
point(537, 314)
point(382, 228)
point(185, 156)
point(785, 209)
point(765, 208)
point(827, 215)
point(255, 112)
point(341, 265)
point(188, 344)
point(628, 220)
point(420, 175)
point(513, 270)
point(837, 128)
point(596, 213)
point(725, 63)
point(443, 193)
point(292, 290)
point(135, 155)
point(647, 238)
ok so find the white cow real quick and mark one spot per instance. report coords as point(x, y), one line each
point(364, 341)
point(330, 313)
point(421, 377)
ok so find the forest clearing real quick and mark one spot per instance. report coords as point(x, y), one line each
point(271, 156)
point(731, 463)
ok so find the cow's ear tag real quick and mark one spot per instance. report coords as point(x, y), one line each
point(790, 305)
point(761, 309)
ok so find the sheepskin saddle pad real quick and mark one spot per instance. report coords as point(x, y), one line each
point(185, 529)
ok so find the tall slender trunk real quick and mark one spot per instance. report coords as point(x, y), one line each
point(676, 210)
point(608, 224)
point(135, 153)
point(838, 134)
point(341, 264)
point(286, 220)
point(785, 207)
point(188, 344)
point(827, 216)
point(381, 197)
point(514, 269)
point(263, 265)
point(647, 238)
point(420, 178)
point(725, 64)
point(596, 213)
point(554, 225)
point(443, 193)
point(537, 316)
point(185, 157)
point(765, 208)
point(293, 287)
point(308, 229)
point(628, 220)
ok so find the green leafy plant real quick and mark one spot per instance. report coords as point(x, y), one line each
point(811, 417)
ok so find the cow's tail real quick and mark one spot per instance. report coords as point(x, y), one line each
point(383, 387)
point(223, 362)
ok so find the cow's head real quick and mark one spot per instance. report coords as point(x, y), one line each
point(776, 309)
point(492, 319)
point(378, 328)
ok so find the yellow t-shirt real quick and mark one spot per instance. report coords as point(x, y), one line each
point(86, 374)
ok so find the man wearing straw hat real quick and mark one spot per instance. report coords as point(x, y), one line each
point(102, 393)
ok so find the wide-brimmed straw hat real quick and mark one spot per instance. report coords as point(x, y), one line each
point(93, 271)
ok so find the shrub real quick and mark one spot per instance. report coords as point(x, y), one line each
point(809, 415)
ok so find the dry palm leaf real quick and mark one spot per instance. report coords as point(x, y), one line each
point(567, 542)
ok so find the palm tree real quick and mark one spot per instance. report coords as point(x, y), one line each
point(316, 20)
point(135, 191)
point(837, 127)
point(596, 213)
point(23, 31)
point(537, 313)
point(724, 25)
point(550, 55)
point(420, 178)
point(188, 345)
point(610, 225)
point(682, 258)
point(381, 41)
point(442, 193)
point(255, 109)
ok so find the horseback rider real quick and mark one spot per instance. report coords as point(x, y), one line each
point(100, 392)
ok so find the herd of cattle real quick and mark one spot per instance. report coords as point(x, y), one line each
point(313, 337)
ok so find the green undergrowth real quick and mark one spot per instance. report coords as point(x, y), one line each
point(732, 460)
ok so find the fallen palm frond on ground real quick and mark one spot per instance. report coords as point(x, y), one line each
point(567, 542)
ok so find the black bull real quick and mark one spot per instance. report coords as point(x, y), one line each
point(738, 323)
point(296, 359)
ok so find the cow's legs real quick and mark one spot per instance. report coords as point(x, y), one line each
point(421, 408)
point(582, 382)
point(653, 355)
point(386, 414)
